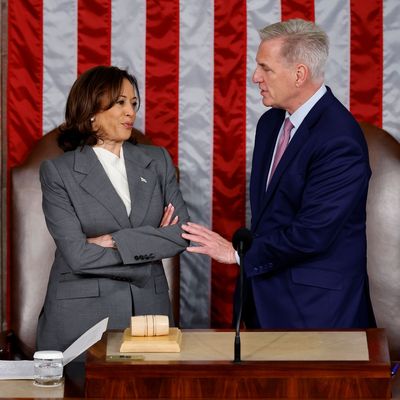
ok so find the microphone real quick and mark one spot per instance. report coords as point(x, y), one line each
point(241, 242)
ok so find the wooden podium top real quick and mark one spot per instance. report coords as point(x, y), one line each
point(297, 364)
point(256, 346)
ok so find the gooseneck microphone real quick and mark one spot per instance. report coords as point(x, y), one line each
point(241, 242)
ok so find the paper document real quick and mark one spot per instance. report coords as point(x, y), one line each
point(89, 338)
point(16, 369)
point(24, 369)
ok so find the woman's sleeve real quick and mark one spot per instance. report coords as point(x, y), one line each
point(65, 227)
point(148, 243)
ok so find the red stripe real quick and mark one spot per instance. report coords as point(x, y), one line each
point(229, 162)
point(94, 33)
point(366, 60)
point(298, 9)
point(25, 78)
point(24, 95)
point(162, 74)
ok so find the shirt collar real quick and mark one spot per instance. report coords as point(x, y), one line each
point(108, 156)
point(298, 116)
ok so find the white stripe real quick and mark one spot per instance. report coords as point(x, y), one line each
point(334, 19)
point(391, 71)
point(128, 44)
point(195, 148)
point(59, 58)
point(260, 13)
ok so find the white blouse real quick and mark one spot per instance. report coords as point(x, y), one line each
point(116, 171)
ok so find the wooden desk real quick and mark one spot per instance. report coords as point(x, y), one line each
point(212, 374)
point(24, 389)
point(72, 388)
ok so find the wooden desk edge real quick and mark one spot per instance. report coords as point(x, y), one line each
point(379, 357)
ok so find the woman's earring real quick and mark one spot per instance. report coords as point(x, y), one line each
point(92, 119)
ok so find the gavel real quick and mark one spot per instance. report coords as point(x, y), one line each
point(150, 325)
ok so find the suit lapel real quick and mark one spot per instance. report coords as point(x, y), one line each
point(293, 148)
point(267, 132)
point(97, 184)
point(267, 159)
point(302, 135)
point(141, 182)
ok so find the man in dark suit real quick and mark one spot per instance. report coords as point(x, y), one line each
point(306, 267)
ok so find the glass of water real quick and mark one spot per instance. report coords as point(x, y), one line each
point(48, 368)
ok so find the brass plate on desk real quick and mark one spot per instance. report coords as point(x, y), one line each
point(152, 344)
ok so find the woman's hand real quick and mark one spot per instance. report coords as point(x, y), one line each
point(167, 217)
point(103, 241)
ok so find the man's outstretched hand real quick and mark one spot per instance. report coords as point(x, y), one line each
point(209, 243)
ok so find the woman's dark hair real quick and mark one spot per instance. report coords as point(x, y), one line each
point(97, 89)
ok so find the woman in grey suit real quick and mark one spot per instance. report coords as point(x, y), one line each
point(114, 210)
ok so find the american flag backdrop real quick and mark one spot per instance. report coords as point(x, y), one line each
point(194, 61)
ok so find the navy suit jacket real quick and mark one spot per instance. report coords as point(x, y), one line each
point(306, 267)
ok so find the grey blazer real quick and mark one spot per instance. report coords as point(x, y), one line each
point(88, 282)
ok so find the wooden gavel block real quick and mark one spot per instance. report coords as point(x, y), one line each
point(150, 325)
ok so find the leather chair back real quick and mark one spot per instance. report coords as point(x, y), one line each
point(383, 232)
point(32, 249)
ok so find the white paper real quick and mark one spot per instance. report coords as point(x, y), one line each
point(24, 369)
point(16, 369)
point(89, 338)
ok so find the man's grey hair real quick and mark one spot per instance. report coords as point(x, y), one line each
point(304, 42)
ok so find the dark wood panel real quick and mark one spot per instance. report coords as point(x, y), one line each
point(239, 388)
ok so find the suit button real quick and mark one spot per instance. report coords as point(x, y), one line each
point(136, 258)
point(256, 269)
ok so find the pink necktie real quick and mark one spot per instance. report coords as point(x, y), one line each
point(282, 144)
